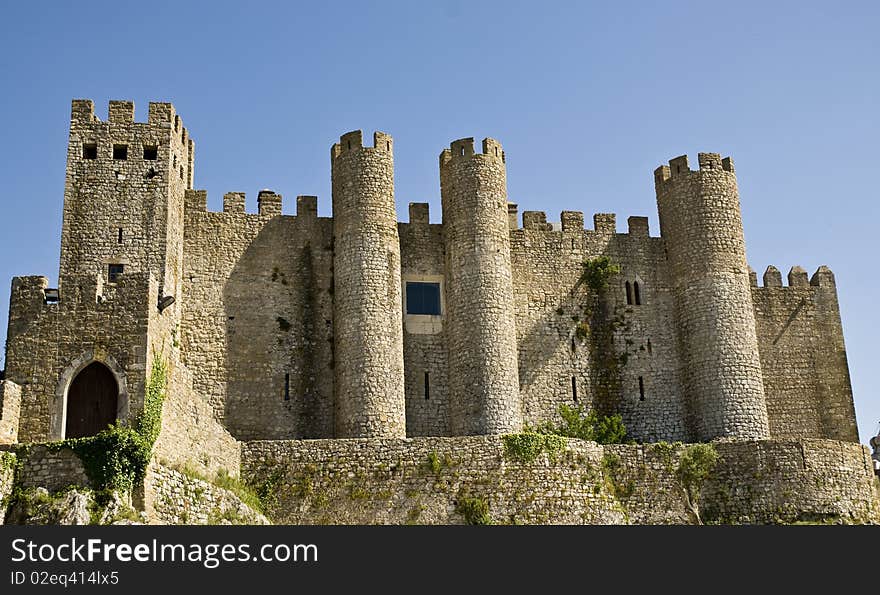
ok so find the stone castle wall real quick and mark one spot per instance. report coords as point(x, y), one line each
point(432, 480)
point(559, 366)
point(426, 366)
point(175, 498)
point(50, 468)
point(255, 336)
point(803, 357)
point(48, 343)
point(257, 319)
point(10, 411)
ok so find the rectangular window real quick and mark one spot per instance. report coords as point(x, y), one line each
point(113, 272)
point(90, 151)
point(120, 152)
point(151, 153)
point(423, 298)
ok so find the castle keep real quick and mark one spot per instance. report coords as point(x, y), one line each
point(287, 327)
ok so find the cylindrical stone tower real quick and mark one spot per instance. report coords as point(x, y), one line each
point(481, 332)
point(701, 225)
point(367, 319)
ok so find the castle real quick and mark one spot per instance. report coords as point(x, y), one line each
point(282, 329)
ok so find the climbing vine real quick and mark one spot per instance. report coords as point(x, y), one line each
point(596, 327)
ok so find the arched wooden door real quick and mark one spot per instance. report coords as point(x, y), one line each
point(91, 401)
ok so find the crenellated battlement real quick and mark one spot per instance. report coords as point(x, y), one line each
point(679, 167)
point(573, 221)
point(160, 115)
point(797, 278)
point(463, 148)
point(353, 141)
point(269, 204)
point(419, 213)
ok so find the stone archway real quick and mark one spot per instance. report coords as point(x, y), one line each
point(58, 414)
point(91, 401)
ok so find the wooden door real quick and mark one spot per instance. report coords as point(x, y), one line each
point(91, 401)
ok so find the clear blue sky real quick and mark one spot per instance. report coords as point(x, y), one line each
point(587, 98)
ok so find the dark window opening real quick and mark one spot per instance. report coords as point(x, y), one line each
point(151, 153)
point(423, 298)
point(388, 145)
point(120, 152)
point(176, 122)
point(573, 346)
point(90, 151)
point(427, 386)
point(641, 389)
point(181, 172)
point(637, 293)
point(629, 295)
point(574, 389)
point(114, 271)
point(119, 236)
point(649, 347)
point(287, 387)
point(174, 161)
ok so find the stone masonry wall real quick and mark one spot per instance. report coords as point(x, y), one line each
point(428, 480)
point(424, 338)
point(175, 498)
point(53, 469)
point(190, 435)
point(547, 264)
point(803, 358)
point(257, 328)
point(10, 411)
point(48, 343)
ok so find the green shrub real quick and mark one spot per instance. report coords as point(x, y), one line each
point(597, 272)
point(474, 510)
point(527, 446)
point(578, 423)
